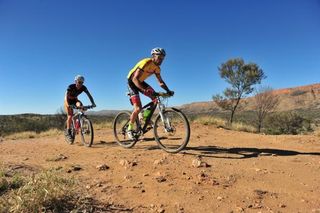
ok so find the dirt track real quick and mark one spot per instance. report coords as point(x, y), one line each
point(239, 172)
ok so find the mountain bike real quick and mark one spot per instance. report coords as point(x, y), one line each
point(171, 127)
point(81, 124)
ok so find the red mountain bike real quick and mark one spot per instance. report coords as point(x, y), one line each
point(171, 127)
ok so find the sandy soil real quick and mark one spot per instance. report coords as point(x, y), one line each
point(221, 171)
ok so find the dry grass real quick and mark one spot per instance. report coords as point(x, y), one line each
point(218, 122)
point(316, 131)
point(32, 134)
point(42, 192)
point(52, 132)
point(102, 125)
point(209, 120)
point(237, 126)
point(47, 191)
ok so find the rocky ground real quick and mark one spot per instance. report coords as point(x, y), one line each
point(220, 171)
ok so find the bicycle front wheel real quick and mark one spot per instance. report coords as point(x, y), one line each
point(120, 125)
point(86, 132)
point(173, 132)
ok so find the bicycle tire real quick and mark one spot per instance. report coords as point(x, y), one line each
point(86, 132)
point(172, 136)
point(69, 140)
point(120, 125)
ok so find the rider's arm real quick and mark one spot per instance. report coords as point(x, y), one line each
point(90, 97)
point(162, 83)
point(135, 78)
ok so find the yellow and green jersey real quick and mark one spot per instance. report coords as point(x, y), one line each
point(147, 66)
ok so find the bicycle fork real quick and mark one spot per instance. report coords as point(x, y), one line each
point(165, 120)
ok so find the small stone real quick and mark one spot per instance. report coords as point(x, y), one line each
point(196, 163)
point(219, 198)
point(102, 167)
point(161, 210)
point(124, 162)
point(161, 179)
point(281, 205)
point(158, 162)
point(127, 177)
point(76, 168)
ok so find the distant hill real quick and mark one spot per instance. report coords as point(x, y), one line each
point(104, 112)
point(297, 98)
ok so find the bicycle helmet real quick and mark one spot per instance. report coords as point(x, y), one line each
point(79, 78)
point(158, 51)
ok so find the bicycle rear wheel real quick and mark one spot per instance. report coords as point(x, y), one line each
point(86, 132)
point(173, 133)
point(120, 125)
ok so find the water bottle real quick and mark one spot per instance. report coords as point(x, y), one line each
point(146, 113)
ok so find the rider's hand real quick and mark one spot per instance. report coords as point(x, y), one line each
point(149, 92)
point(171, 93)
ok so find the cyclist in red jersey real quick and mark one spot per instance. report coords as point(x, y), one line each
point(71, 98)
point(136, 82)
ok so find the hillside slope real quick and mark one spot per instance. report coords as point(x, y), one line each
point(297, 98)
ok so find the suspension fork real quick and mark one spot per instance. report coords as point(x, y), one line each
point(165, 120)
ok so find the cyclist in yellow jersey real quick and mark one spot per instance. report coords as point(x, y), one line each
point(136, 81)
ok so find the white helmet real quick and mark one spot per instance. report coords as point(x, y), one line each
point(158, 51)
point(79, 78)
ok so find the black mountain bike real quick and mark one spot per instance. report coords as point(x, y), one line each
point(171, 127)
point(81, 124)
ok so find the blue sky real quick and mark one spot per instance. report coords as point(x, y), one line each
point(44, 44)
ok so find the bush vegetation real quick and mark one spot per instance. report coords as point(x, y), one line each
point(295, 122)
point(291, 122)
point(33, 124)
point(287, 123)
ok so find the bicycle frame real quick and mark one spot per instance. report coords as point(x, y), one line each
point(153, 106)
point(79, 114)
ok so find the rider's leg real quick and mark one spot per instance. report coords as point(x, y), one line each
point(69, 112)
point(151, 96)
point(135, 99)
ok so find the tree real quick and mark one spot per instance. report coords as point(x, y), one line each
point(241, 78)
point(265, 102)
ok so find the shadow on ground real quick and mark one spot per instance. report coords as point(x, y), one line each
point(241, 152)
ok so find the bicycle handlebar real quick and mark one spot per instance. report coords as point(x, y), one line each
point(163, 94)
point(82, 107)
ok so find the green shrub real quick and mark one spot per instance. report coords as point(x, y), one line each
point(286, 123)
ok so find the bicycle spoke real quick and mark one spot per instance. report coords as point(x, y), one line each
point(120, 126)
point(172, 134)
